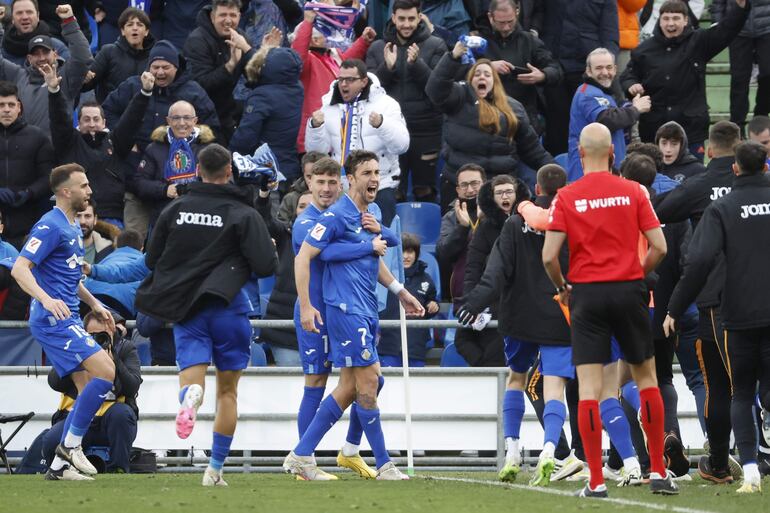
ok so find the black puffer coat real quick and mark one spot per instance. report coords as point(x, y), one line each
point(115, 63)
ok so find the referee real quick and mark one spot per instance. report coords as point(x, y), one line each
point(738, 226)
point(601, 216)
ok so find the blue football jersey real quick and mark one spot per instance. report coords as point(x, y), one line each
point(302, 226)
point(56, 248)
point(350, 285)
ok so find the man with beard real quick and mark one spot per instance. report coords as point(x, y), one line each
point(26, 24)
point(96, 246)
point(593, 103)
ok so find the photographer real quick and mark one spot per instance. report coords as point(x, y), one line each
point(114, 425)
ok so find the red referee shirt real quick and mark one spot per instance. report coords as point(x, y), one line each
point(602, 215)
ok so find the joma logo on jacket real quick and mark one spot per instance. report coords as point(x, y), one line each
point(199, 219)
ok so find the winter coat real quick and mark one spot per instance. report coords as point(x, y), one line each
point(273, 110)
point(573, 28)
point(14, 302)
point(319, 70)
point(193, 262)
point(26, 160)
point(115, 63)
point(151, 185)
point(388, 141)
point(16, 45)
point(207, 54)
point(157, 104)
point(286, 212)
point(464, 142)
point(32, 91)
point(673, 73)
point(628, 22)
point(419, 283)
point(452, 248)
point(119, 296)
point(686, 164)
point(79, 7)
point(173, 20)
point(405, 83)
point(530, 14)
point(101, 155)
point(758, 22)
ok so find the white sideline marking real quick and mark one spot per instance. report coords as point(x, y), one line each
point(564, 493)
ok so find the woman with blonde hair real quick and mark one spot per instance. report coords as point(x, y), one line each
point(481, 124)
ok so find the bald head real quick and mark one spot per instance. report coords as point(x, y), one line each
point(181, 118)
point(595, 148)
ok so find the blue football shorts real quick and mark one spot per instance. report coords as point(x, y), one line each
point(66, 344)
point(352, 338)
point(215, 333)
point(554, 360)
point(313, 347)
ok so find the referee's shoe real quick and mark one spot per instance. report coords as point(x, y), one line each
point(663, 485)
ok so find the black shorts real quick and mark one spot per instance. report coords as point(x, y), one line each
point(600, 310)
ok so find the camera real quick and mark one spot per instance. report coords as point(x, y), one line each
point(103, 339)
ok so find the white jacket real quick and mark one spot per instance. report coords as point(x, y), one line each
point(388, 141)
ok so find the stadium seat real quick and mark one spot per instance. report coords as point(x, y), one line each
point(562, 159)
point(433, 270)
point(422, 219)
point(451, 358)
point(258, 356)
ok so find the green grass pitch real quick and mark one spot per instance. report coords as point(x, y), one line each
point(427, 492)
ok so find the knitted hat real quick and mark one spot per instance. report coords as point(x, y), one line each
point(164, 51)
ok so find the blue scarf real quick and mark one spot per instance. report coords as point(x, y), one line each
point(181, 163)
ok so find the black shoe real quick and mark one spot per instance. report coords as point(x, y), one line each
point(715, 475)
point(66, 473)
point(663, 485)
point(599, 493)
point(676, 461)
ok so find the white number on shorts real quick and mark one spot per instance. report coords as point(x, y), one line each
point(325, 338)
point(79, 331)
point(362, 331)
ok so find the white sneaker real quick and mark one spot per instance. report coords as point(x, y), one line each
point(75, 457)
point(389, 472)
point(611, 473)
point(66, 473)
point(185, 418)
point(213, 477)
point(567, 467)
point(305, 468)
point(630, 477)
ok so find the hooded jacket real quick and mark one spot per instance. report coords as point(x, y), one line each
point(686, 164)
point(207, 54)
point(115, 63)
point(758, 22)
point(156, 105)
point(673, 73)
point(464, 142)
point(388, 141)
point(16, 45)
point(288, 207)
point(32, 91)
point(405, 83)
point(219, 243)
point(273, 109)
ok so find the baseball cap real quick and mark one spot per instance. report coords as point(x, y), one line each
point(43, 41)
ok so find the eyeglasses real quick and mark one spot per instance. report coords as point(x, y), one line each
point(347, 80)
point(475, 184)
point(508, 192)
point(181, 118)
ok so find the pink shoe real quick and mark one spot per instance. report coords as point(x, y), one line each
point(185, 419)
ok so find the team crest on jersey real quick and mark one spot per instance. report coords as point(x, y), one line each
point(581, 205)
point(366, 354)
point(424, 286)
point(33, 244)
point(604, 102)
point(318, 231)
point(73, 261)
point(90, 342)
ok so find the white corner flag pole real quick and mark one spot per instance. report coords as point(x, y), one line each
point(407, 393)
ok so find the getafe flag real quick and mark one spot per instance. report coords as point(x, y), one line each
point(394, 259)
point(252, 167)
point(336, 22)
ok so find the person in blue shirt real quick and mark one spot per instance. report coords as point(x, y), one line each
point(594, 103)
point(48, 269)
point(325, 186)
point(351, 316)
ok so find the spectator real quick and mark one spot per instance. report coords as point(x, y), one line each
point(217, 52)
point(126, 57)
point(49, 12)
point(114, 425)
point(752, 45)
point(25, 164)
point(403, 61)
point(519, 57)
point(26, 24)
point(14, 302)
point(759, 131)
point(482, 125)
point(101, 153)
point(457, 227)
point(320, 66)
point(119, 296)
point(173, 20)
point(287, 211)
point(358, 114)
point(650, 15)
point(497, 198)
point(572, 29)
point(169, 84)
point(628, 23)
point(528, 12)
point(96, 246)
point(594, 102)
point(420, 284)
point(107, 15)
point(450, 15)
point(671, 69)
point(273, 107)
point(41, 51)
point(169, 162)
point(678, 162)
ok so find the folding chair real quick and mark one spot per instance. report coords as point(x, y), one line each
point(3, 444)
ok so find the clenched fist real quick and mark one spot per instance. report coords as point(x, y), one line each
point(317, 119)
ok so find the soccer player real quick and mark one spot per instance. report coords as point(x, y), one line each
point(351, 316)
point(325, 186)
point(204, 247)
point(48, 269)
point(607, 295)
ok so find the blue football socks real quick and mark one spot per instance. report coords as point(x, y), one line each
point(308, 407)
point(355, 429)
point(328, 414)
point(220, 448)
point(182, 392)
point(87, 404)
point(615, 422)
point(513, 413)
point(630, 393)
point(554, 414)
point(373, 429)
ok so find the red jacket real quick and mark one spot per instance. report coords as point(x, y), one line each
point(319, 70)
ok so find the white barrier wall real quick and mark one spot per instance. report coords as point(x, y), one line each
point(452, 409)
